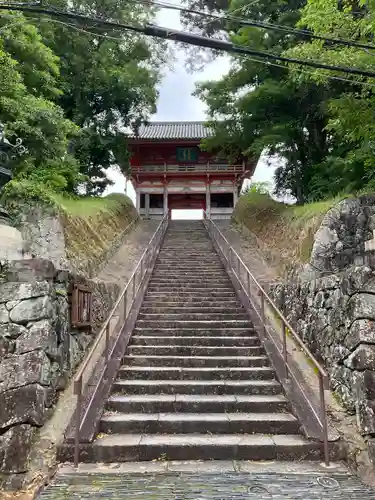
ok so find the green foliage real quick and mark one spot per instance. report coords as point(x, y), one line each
point(321, 129)
point(18, 193)
point(257, 188)
point(27, 84)
point(87, 207)
point(69, 94)
point(107, 85)
point(284, 232)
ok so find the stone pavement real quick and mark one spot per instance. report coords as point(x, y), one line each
point(206, 481)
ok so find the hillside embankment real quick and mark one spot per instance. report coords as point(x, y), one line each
point(326, 290)
point(79, 234)
point(283, 233)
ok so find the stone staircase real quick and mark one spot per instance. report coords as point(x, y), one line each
point(195, 382)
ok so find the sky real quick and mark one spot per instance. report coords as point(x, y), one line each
point(176, 102)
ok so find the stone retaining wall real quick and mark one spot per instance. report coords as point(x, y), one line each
point(331, 304)
point(335, 316)
point(340, 240)
point(39, 350)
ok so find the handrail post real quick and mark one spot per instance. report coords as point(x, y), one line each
point(285, 352)
point(78, 392)
point(253, 286)
point(262, 312)
point(121, 306)
point(107, 332)
point(323, 417)
point(125, 304)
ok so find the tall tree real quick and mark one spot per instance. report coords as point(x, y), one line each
point(108, 81)
point(351, 118)
point(28, 80)
point(284, 110)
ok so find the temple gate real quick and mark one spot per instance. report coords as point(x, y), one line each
point(169, 171)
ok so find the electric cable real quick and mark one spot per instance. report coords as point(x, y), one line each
point(192, 39)
point(258, 24)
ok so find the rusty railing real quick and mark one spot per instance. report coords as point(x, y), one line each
point(102, 346)
point(248, 284)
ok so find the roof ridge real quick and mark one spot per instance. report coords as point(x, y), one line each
point(171, 122)
point(164, 130)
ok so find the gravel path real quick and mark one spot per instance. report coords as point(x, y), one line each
point(246, 246)
point(121, 265)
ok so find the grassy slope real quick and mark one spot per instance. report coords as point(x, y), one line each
point(285, 233)
point(91, 226)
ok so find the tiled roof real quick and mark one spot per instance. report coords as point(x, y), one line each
point(173, 130)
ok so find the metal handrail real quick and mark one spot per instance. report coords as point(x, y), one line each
point(133, 286)
point(229, 253)
point(194, 167)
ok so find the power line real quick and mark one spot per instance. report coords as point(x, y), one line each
point(245, 58)
point(239, 9)
point(258, 24)
point(330, 77)
point(197, 40)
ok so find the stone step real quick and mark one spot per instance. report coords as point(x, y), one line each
point(192, 332)
point(148, 447)
point(189, 271)
point(197, 316)
point(195, 341)
point(181, 255)
point(197, 234)
point(178, 235)
point(192, 311)
point(201, 373)
point(194, 350)
point(195, 361)
point(191, 240)
point(205, 288)
point(205, 263)
point(191, 275)
point(194, 387)
point(213, 264)
point(180, 294)
point(185, 250)
point(191, 302)
point(198, 282)
point(191, 280)
point(189, 423)
point(206, 325)
point(170, 403)
point(188, 239)
point(195, 382)
point(192, 270)
point(188, 244)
